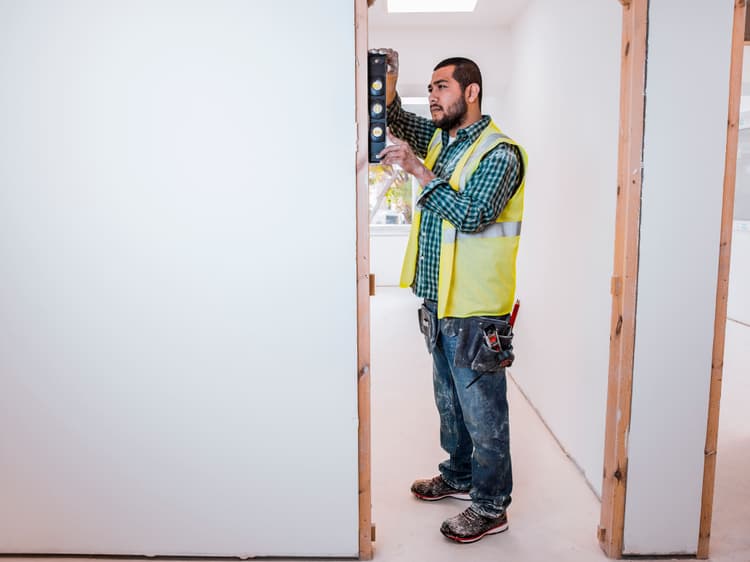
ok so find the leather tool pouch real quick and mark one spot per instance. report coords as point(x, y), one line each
point(428, 325)
point(484, 344)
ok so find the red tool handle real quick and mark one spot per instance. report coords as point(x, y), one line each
point(515, 312)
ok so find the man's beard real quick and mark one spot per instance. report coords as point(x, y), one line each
point(453, 116)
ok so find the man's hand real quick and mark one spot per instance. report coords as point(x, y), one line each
point(391, 77)
point(400, 153)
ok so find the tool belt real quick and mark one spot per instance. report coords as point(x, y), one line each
point(484, 344)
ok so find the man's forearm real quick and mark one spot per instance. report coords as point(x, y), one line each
point(412, 128)
point(467, 214)
point(484, 197)
point(424, 175)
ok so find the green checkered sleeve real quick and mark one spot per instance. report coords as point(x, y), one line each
point(485, 195)
point(412, 128)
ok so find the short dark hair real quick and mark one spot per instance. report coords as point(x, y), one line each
point(465, 73)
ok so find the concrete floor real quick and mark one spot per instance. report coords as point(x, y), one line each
point(554, 513)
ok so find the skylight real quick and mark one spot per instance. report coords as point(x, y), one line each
point(404, 6)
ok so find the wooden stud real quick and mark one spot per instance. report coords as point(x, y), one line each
point(722, 288)
point(627, 236)
point(363, 282)
point(616, 289)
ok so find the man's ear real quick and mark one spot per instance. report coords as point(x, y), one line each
point(472, 92)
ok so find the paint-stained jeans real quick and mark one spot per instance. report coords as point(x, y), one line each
point(474, 428)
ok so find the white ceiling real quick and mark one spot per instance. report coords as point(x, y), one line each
point(488, 13)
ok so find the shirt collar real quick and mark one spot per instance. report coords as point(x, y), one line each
point(470, 133)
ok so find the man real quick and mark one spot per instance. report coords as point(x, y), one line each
point(461, 260)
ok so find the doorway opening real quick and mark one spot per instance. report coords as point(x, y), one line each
point(538, 74)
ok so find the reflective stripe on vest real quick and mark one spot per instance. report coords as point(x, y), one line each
point(495, 230)
point(476, 156)
point(436, 142)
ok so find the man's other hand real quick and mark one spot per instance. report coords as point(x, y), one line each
point(400, 153)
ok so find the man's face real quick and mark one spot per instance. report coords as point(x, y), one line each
point(447, 103)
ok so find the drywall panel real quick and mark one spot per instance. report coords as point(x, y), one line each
point(562, 105)
point(177, 278)
point(684, 152)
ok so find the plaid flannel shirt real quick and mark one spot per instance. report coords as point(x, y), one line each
point(484, 197)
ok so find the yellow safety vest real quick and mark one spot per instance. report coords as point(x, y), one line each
point(477, 275)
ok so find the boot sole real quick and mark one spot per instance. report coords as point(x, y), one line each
point(466, 540)
point(458, 496)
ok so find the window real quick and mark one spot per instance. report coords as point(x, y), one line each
point(391, 195)
point(393, 191)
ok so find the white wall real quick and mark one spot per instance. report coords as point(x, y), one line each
point(679, 252)
point(177, 292)
point(421, 49)
point(562, 105)
point(387, 249)
point(738, 303)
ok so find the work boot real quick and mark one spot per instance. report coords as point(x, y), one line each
point(436, 489)
point(470, 526)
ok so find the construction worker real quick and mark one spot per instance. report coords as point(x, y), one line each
point(461, 260)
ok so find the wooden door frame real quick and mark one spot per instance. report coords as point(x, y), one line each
point(625, 276)
point(366, 529)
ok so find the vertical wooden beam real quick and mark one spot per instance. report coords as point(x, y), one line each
point(363, 282)
point(722, 288)
point(625, 279)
